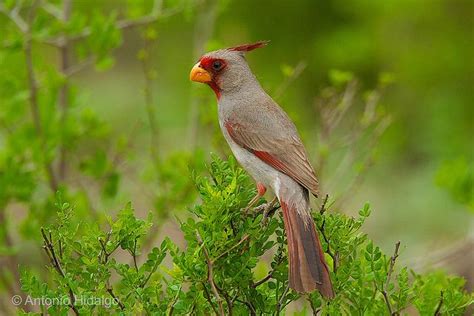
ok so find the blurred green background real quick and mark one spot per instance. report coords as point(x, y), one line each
point(420, 178)
point(426, 45)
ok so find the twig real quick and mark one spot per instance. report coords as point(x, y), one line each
point(173, 302)
point(210, 274)
point(334, 256)
point(323, 206)
point(440, 304)
point(282, 299)
point(15, 18)
point(249, 306)
point(278, 261)
point(33, 96)
point(231, 248)
point(208, 297)
point(227, 299)
point(203, 29)
point(51, 253)
point(52, 9)
point(74, 69)
point(149, 104)
point(63, 101)
point(121, 25)
point(10, 262)
point(393, 259)
point(134, 255)
point(315, 310)
point(265, 279)
point(116, 299)
point(297, 71)
point(105, 258)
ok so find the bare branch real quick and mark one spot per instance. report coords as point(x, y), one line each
point(172, 303)
point(63, 101)
point(231, 248)
point(322, 209)
point(208, 297)
point(334, 256)
point(297, 71)
point(121, 25)
point(282, 300)
point(278, 261)
point(52, 9)
point(265, 279)
point(74, 69)
point(440, 304)
point(33, 97)
point(147, 69)
point(393, 259)
point(51, 253)
point(210, 274)
point(15, 18)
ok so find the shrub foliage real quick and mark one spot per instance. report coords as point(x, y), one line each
point(233, 263)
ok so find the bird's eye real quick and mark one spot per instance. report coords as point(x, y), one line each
point(217, 65)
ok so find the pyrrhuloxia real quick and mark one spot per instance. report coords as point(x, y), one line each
point(266, 143)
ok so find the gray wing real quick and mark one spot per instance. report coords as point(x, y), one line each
point(268, 133)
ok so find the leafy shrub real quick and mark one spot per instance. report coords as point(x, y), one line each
point(223, 269)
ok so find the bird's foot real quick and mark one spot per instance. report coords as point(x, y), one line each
point(268, 209)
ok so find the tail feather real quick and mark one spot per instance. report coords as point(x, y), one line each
point(307, 267)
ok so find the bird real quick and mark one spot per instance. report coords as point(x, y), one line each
point(267, 145)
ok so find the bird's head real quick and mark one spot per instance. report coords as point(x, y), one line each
point(225, 69)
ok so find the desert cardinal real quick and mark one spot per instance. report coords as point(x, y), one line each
point(266, 143)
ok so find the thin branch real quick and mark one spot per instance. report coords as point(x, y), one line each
point(10, 262)
point(134, 255)
point(440, 304)
point(249, 306)
point(210, 274)
point(334, 256)
point(208, 297)
point(64, 90)
point(173, 302)
point(105, 258)
point(281, 300)
point(51, 253)
point(116, 299)
point(15, 18)
point(265, 279)
point(393, 259)
point(227, 299)
point(297, 71)
point(315, 310)
point(147, 69)
point(231, 248)
point(33, 96)
point(74, 69)
point(121, 25)
point(322, 209)
point(278, 261)
point(52, 9)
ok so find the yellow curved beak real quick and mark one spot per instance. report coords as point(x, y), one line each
point(199, 74)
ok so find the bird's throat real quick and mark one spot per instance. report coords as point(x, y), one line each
point(216, 88)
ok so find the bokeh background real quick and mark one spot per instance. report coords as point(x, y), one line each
point(426, 45)
point(413, 59)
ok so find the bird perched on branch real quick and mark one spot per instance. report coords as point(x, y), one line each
point(266, 143)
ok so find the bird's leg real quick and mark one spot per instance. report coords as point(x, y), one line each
point(268, 209)
point(261, 189)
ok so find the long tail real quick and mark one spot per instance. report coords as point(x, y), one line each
point(307, 267)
